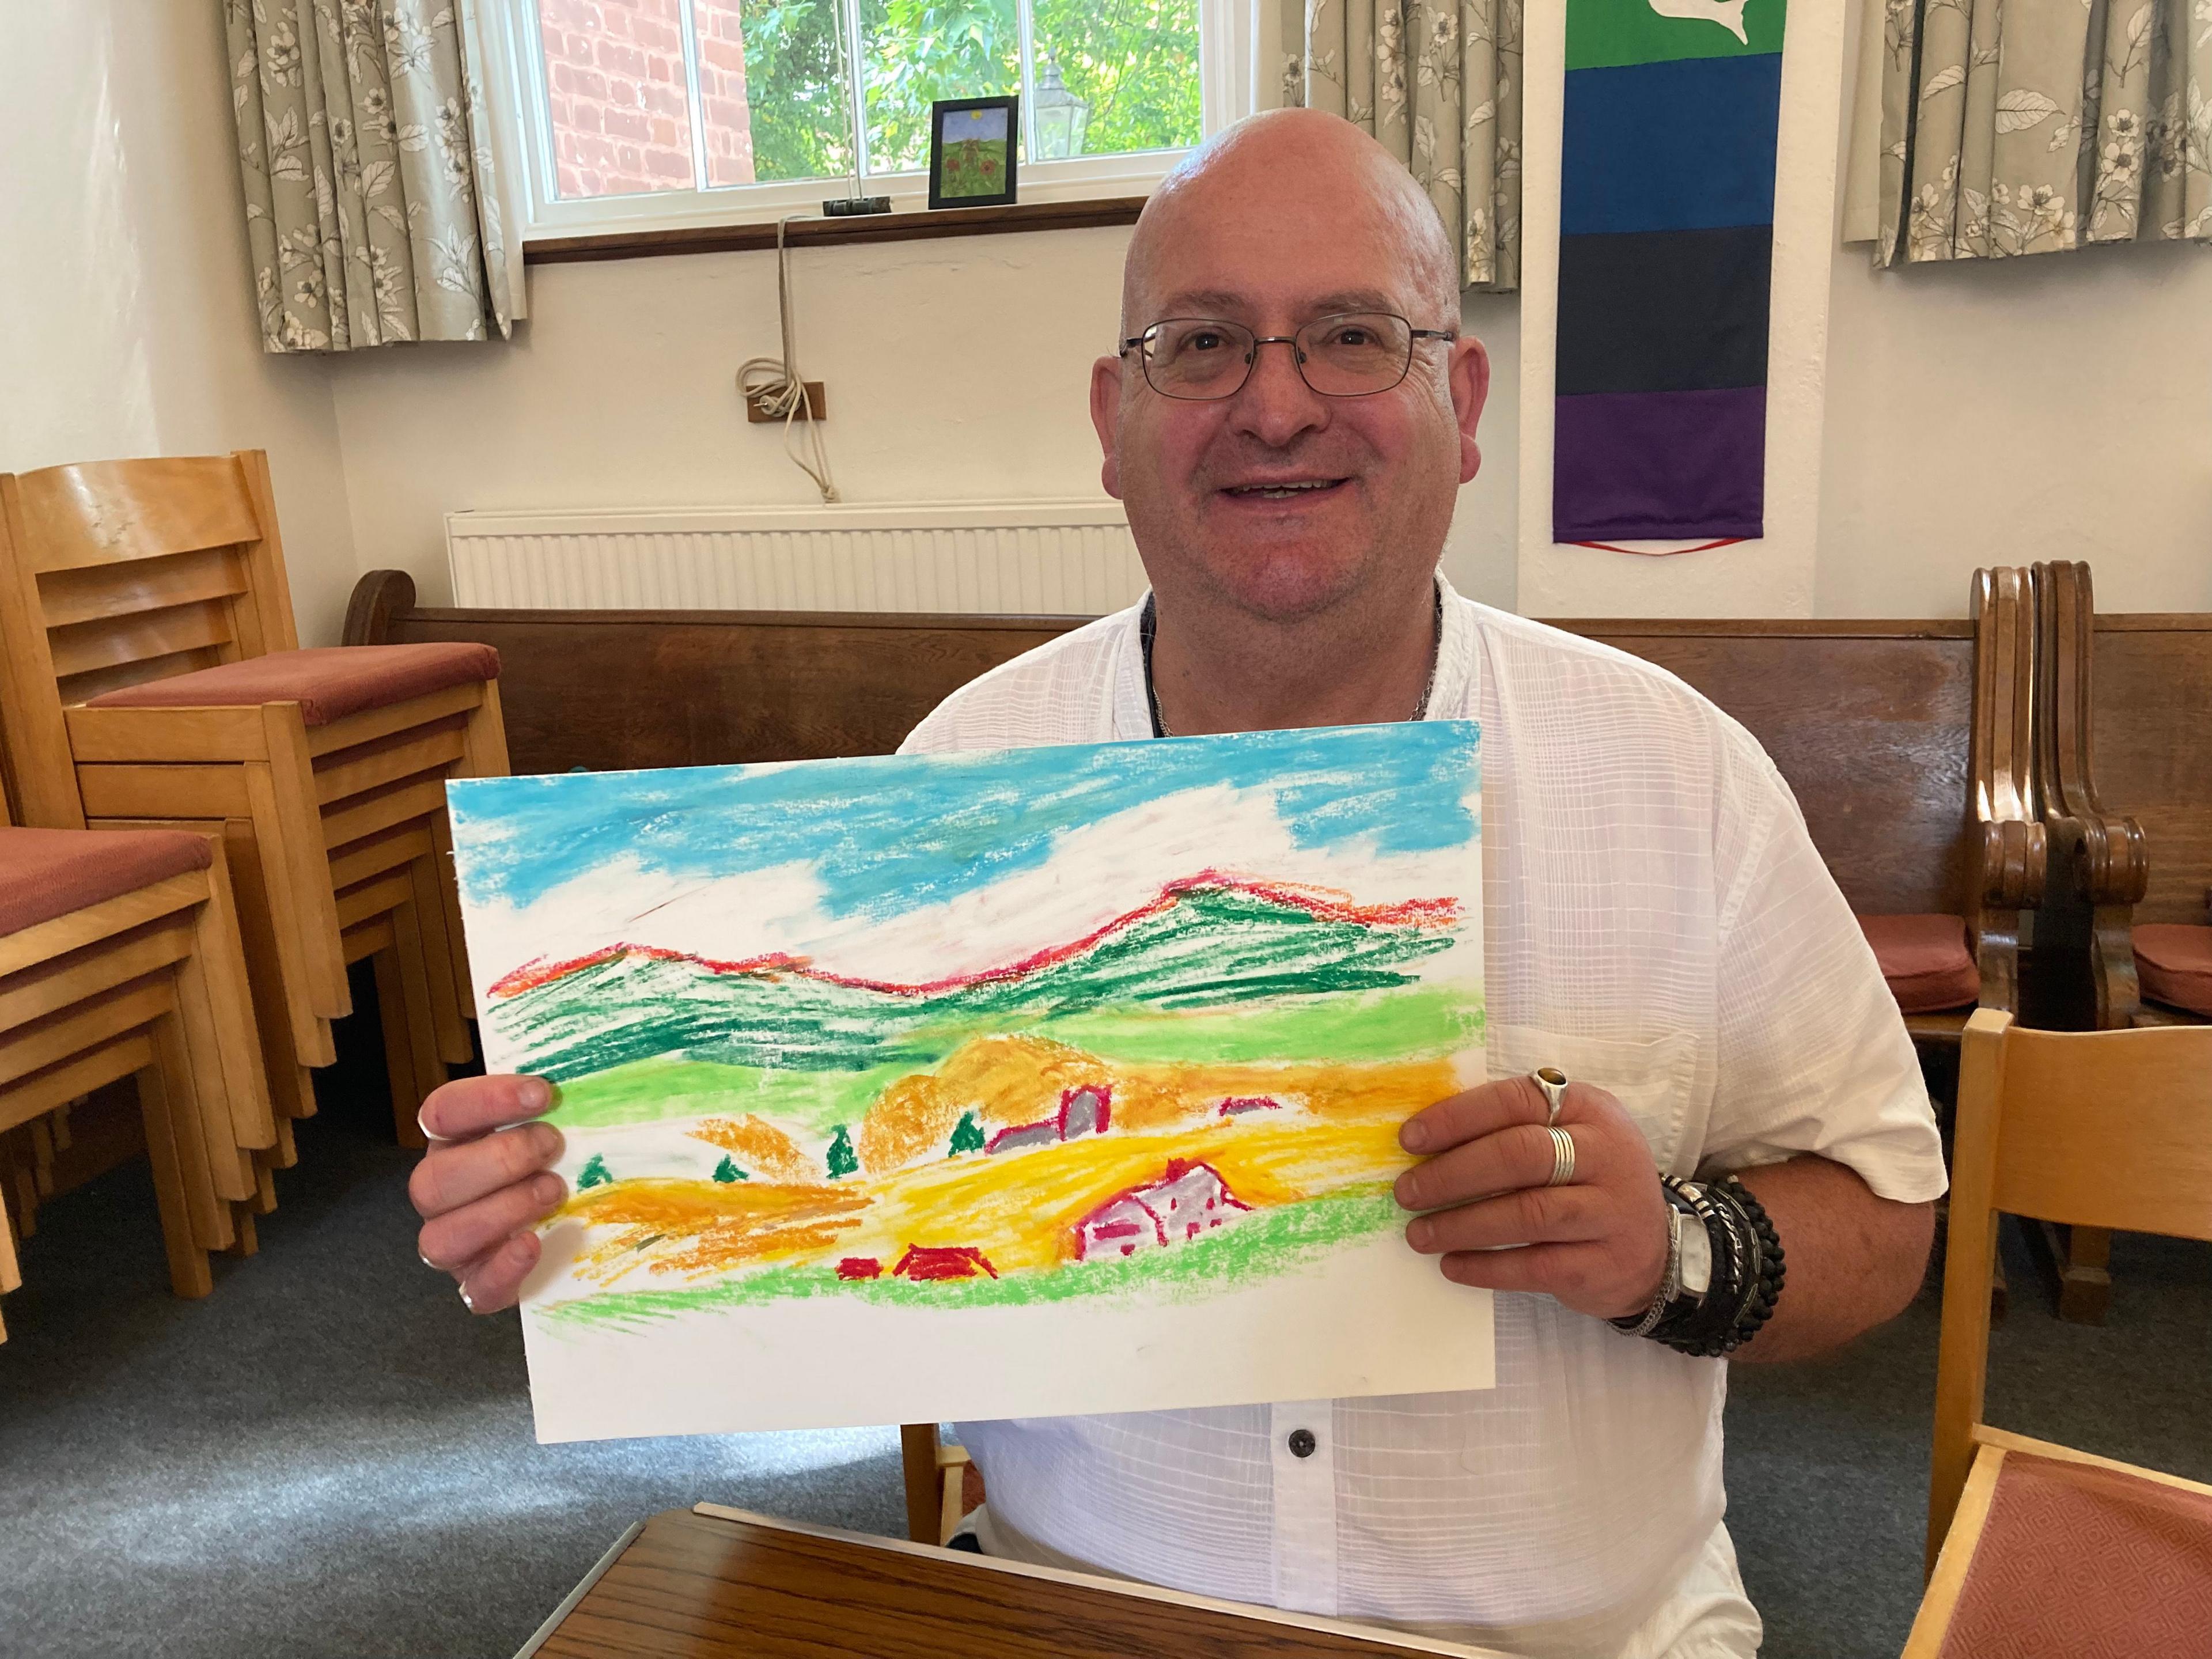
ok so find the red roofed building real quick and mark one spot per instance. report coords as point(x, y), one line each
point(1188, 1200)
point(932, 1262)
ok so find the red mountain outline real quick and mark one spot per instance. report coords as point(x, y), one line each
point(1323, 903)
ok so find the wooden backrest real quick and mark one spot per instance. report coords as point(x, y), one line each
point(608, 689)
point(2094, 1128)
point(136, 570)
point(2150, 723)
point(1872, 724)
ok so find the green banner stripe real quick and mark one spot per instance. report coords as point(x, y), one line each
point(1611, 34)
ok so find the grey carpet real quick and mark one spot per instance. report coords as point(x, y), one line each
point(328, 1457)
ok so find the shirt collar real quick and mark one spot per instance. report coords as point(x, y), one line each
point(1130, 715)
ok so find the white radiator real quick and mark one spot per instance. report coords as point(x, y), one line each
point(1027, 558)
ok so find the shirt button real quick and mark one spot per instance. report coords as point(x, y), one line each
point(1302, 1442)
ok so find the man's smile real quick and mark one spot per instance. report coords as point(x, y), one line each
point(1284, 489)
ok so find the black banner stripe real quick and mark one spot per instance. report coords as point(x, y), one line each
point(1664, 311)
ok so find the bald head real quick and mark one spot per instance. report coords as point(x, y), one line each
point(1303, 164)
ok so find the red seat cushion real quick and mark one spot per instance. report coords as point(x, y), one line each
point(2173, 964)
point(2086, 1562)
point(328, 682)
point(45, 874)
point(1926, 961)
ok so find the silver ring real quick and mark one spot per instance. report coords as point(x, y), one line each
point(426, 1262)
point(1554, 1081)
point(468, 1301)
point(1563, 1157)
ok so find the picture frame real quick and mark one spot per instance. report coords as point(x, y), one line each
point(972, 151)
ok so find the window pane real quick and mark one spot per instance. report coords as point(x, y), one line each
point(917, 51)
point(772, 90)
point(1134, 63)
point(617, 94)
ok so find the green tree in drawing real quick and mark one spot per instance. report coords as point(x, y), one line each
point(595, 1173)
point(966, 1137)
point(843, 1161)
point(728, 1170)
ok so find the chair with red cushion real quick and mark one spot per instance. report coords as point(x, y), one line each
point(2034, 1547)
point(152, 677)
point(120, 958)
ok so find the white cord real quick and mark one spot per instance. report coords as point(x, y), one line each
point(775, 385)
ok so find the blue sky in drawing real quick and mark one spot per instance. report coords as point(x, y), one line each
point(888, 835)
point(988, 124)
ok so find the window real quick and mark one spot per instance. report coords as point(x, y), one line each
point(653, 113)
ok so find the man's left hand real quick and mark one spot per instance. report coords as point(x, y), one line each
point(1597, 1243)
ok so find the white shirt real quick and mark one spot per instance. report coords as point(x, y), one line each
point(1655, 921)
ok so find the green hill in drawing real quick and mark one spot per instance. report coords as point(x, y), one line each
point(1210, 943)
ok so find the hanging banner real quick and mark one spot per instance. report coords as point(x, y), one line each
point(1665, 261)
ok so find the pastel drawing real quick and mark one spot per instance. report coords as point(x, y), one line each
point(1121, 1024)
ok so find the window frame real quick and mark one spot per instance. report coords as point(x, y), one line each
point(523, 149)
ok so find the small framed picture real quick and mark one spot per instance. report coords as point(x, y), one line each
point(971, 151)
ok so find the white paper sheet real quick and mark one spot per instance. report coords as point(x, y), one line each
point(987, 1085)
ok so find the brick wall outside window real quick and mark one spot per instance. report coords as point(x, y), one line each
point(618, 101)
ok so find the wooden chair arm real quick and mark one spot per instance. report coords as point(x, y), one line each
point(376, 598)
point(2014, 857)
point(2106, 857)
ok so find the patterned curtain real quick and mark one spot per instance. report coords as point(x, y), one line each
point(2036, 127)
point(370, 206)
point(1440, 85)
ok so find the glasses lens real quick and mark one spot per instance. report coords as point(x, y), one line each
point(1366, 351)
point(1185, 357)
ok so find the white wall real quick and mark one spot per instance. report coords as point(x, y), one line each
point(2006, 411)
point(1991, 413)
point(953, 368)
point(126, 318)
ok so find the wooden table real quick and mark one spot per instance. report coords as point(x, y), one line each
point(711, 1582)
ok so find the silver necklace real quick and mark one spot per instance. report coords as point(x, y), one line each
point(1149, 624)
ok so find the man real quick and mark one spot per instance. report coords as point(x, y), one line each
point(1287, 419)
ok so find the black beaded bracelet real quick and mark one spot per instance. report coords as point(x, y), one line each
point(1747, 1271)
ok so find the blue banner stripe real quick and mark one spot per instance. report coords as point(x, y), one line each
point(1688, 145)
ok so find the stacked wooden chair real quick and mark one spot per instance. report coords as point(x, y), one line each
point(153, 678)
point(120, 958)
point(2032, 1547)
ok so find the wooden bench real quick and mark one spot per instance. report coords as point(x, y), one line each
point(1874, 723)
point(610, 690)
point(2126, 759)
point(1908, 746)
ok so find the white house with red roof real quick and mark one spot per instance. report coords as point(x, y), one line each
point(1188, 1200)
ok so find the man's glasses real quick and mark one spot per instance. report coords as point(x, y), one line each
point(1354, 355)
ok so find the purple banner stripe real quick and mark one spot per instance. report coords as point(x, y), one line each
point(1659, 465)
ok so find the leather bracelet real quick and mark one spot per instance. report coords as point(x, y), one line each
point(1747, 1273)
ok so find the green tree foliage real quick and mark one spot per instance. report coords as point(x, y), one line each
point(728, 1170)
point(843, 1161)
point(795, 90)
point(1135, 62)
point(967, 1136)
point(594, 1173)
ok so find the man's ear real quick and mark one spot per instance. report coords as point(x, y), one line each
point(1106, 417)
point(1470, 389)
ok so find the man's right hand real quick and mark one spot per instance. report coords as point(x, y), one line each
point(484, 1185)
